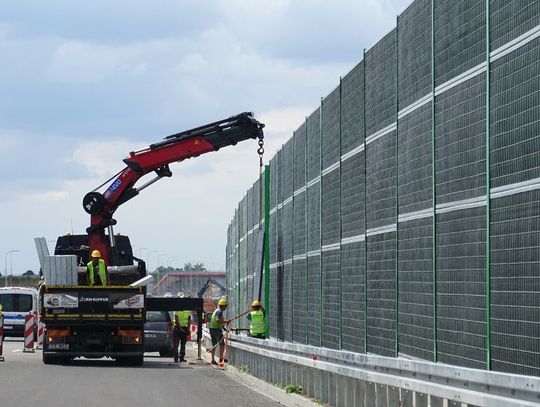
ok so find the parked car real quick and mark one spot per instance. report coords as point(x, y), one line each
point(158, 333)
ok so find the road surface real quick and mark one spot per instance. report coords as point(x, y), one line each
point(26, 381)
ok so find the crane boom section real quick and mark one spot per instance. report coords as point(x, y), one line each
point(156, 158)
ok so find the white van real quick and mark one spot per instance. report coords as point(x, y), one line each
point(16, 303)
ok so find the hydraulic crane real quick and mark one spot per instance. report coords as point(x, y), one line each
point(156, 158)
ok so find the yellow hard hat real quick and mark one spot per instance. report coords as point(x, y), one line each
point(223, 301)
point(96, 253)
point(256, 303)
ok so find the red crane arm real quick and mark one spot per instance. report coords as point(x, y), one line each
point(156, 158)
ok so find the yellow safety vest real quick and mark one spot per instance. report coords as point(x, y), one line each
point(256, 327)
point(101, 272)
point(183, 318)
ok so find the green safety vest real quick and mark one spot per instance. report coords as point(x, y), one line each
point(183, 318)
point(256, 327)
point(214, 322)
point(101, 272)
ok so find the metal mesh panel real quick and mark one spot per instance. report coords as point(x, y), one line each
point(314, 145)
point(250, 258)
point(515, 283)
point(460, 37)
point(515, 116)
point(287, 169)
point(352, 196)
point(330, 222)
point(330, 129)
point(415, 287)
point(414, 53)
point(287, 213)
point(331, 299)
point(314, 301)
point(299, 222)
point(381, 83)
point(299, 141)
point(314, 217)
point(381, 167)
point(288, 319)
point(352, 103)
point(415, 188)
point(460, 141)
point(510, 19)
point(273, 182)
point(381, 294)
point(243, 300)
point(278, 280)
point(461, 302)
point(353, 298)
point(300, 300)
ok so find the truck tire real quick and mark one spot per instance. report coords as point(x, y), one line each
point(48, 359)
point(54, 359)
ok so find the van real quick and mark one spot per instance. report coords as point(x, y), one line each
point(17, 302)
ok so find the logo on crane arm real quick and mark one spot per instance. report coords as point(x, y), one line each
point(116, 184)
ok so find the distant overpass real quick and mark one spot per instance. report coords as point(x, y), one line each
point(187, 283)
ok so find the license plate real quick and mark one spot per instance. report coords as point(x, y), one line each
point(59, 346)
point(8, 327)
point(150, 335)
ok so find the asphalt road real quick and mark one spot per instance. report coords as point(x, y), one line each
point(26, 381)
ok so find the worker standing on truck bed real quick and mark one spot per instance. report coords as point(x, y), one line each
point(97, 264)
point(257, 326)
point(217, 323)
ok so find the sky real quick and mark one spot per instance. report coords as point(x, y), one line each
point(84, 83)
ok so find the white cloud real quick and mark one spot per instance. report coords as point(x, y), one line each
point(103, 158)
point(92, 63)
point(51, 196)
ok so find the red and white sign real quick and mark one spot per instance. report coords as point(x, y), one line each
point(28, 333)
point(40, 335)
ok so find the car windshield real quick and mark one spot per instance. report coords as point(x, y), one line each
point(156, 316)
point(16, 302)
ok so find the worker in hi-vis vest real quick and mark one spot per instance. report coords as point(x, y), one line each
point(217, 324)
point(97, 270)
point(182, 322)
point(257, 325)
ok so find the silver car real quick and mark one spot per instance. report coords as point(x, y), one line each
point(158, 333)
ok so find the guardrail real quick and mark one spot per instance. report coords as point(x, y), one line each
point(344, 378)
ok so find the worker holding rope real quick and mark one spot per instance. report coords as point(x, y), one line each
point(217, 323)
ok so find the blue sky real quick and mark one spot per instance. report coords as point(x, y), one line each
point(84, 83)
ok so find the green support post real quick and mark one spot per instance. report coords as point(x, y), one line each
point(433, 185)
point(488, 190)
point(267, 247)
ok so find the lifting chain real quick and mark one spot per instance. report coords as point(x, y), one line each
point(260, 151)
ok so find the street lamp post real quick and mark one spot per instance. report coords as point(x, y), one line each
point(9, 252)
point(158, 259)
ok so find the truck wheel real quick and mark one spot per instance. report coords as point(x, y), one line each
point(51, 359)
